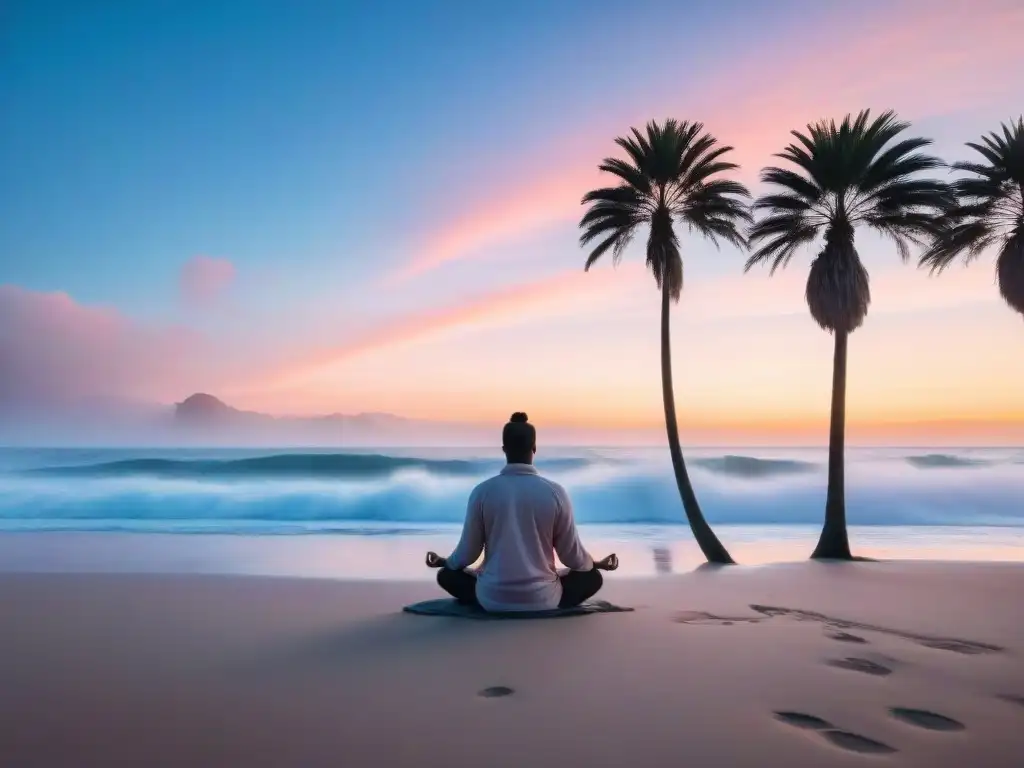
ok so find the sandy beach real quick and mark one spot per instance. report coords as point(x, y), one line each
point(103, 670)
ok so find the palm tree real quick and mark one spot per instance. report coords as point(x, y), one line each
point(673, 173)
point(862, 172)
point(990, 212)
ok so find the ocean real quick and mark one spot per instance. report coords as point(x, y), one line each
point(374, 513)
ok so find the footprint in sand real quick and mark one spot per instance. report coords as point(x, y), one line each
point(964, 647)
point(856, 743)
point(495, 692)
point(837, 625)
point(702, 617)
point(851, 742)
point(835, 628)
point(845, 637)
point(855, 664)
point(931, 721)
point(802, 720)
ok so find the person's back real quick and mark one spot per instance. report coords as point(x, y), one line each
point(520, 520)
point(525, 519)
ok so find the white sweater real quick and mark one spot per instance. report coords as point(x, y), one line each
point(521, 519)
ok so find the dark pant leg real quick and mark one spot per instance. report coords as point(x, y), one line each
point(578, 586)
point(458, 584)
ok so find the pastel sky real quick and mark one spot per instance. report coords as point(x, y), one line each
point(321, 207)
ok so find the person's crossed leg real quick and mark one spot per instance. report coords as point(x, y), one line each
point(459, 584)
point(577, 586)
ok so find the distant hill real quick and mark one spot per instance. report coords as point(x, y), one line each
point(202, 409)
point(204, 420)
point(207, 418)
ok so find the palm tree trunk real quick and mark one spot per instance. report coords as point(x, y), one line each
point(706, 539)
point(834, 543)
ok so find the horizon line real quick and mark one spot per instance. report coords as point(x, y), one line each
point(695, 446)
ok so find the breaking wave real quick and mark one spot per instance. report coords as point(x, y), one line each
point(290, 465)
point(944, 461)
point(751, 467)
point(294, 493)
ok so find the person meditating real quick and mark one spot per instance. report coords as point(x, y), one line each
point(519, 520)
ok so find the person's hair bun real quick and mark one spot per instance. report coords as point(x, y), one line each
point(518, 418)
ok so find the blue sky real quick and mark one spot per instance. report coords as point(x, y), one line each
point(315, 153)
point(309, 133)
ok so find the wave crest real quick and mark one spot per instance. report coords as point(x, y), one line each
point(751, 467)
point(944, 461)
point(293, 465)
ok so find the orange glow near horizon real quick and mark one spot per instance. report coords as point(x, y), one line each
point(761, 375)
point(562, 289)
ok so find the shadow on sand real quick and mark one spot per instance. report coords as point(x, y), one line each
point(391, 636)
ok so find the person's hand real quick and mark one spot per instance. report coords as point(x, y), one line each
point(434, 560)
point(609, 563)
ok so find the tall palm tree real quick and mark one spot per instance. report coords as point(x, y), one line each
point(989, 212)
point(862, 172)
point(672, 173)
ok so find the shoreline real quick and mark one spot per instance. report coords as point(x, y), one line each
point(220, 670)
point(644, 551)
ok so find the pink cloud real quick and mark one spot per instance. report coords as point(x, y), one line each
point(523, 210)
point(559, 293)
point(204, 278)
point(54, 350)
point(921, 59)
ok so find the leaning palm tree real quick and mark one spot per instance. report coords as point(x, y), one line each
point(989, 212)
point(862, 172)
point(672, 174)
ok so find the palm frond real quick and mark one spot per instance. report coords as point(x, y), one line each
point(964, 239)
point(705, 170)
point(700, 161)
point(783, 202)
point(793, 182)
point(613, 216)
point(629, 174)
point(859, 171)
point(898, 161)
point(673, 172)
point(716, 230)
point(988, 211)
point(990, 150)
point(616, 240)
point(780, 236)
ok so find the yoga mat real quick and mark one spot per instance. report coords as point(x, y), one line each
point(451, 607)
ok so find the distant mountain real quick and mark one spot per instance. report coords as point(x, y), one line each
point(202, 409)
point(205, 418)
